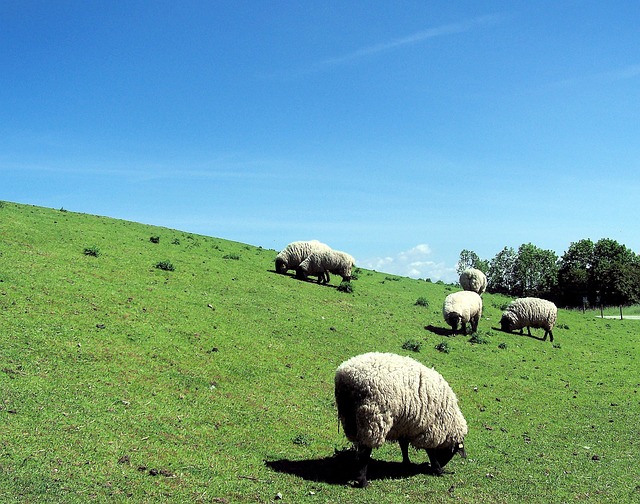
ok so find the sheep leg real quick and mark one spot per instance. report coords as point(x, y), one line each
point(436, 468)
point(404, 446)
point(528, 330)
point(550, 335)
point(474, 324)
point(363, 458)
point(463, 328)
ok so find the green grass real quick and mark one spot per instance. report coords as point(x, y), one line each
point(213, 382)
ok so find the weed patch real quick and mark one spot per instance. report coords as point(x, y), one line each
point(93, 251)
point(165, 265)
point(412, 345)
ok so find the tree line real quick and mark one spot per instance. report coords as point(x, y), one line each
point(593, 274)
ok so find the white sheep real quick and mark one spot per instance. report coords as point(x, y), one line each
point(293, 254)
point(473, 279)
point(386, 397)
point(326, 261)
point(530, 312)
point(462, 307)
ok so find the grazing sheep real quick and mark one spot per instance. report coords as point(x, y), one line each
point(462, 307)
point(474, 280)
point(530, 312)
point(386, 397)
point(293, 254)
point(326, 261)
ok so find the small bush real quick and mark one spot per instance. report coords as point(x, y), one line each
point(233, 257)
point(442, 347)
point(165, 265)
point(302, 440)
point(92, 251)
point(502, 346)
point(478, 339)
point(176, 241)
point(422, 302)
point(413, 345)
point(154, 239)
point(345, 287)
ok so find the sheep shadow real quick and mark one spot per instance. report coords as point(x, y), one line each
point(440, 331)
point(308, 280)
point(518, 333)
point(339, 469)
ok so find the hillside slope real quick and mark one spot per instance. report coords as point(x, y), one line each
point(214, 382)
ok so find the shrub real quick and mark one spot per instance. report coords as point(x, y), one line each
point(154, 239)
point(502, 346)
point(302, 440)
point(442, 347)
point(478, 339)
point(165, 265)
point(234, 257)
point(422, 302)
point(176, 241)
point(345, 287)
point(92, 251)
point(413, 345)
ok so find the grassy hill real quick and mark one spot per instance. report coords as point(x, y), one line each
point(124, 382)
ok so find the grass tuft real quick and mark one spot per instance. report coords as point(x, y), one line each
point(413, 345)
point(165, 265)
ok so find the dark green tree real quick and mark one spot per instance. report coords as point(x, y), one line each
point(614, 273)
point(536, 271)
point(501, 272)
point(574, 274)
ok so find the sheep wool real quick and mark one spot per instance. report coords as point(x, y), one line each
point(530, 312)
point(386, 397)
point(327, 261)
point(462, 307)
point(293, 254)
point(473, 279)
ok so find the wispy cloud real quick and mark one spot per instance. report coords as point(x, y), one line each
point(449, 29)
point(405, 41)
point(628, 72)
point(145, 171)
point(609, 76)
point(414, 263)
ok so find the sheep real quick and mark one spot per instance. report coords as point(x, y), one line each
point(293, 254)
point(530, 312)
point(473, 279)
point(386, 397)
point(462, 307)
point(327, 261)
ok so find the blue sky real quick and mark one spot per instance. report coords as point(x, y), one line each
point(400, 132)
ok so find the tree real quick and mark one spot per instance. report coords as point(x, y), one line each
point(469, 259)
point(574, 274)
point(501, 272)
point(536, 271)
point(614, 273)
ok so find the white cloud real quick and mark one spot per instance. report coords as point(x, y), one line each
point(414, 263)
